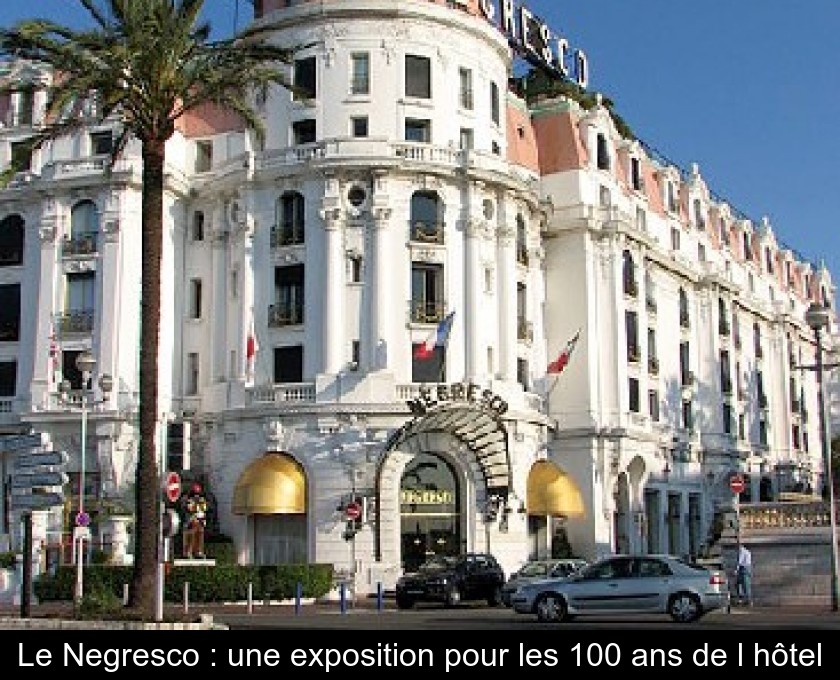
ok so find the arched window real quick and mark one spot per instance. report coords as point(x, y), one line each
point(629, 275)
point(426, 221)
point(289, 219)
point(684, 318)
point(11, 241)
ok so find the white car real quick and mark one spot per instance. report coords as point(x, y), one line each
point(632, 584)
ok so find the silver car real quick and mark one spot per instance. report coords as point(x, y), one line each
point(534, 570)
point(627, 584)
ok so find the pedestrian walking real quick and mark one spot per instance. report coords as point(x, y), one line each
point(744, 575)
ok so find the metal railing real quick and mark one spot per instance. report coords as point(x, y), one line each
point(75, 321)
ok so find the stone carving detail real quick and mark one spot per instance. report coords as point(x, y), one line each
point(47, 231)
point(274, 435)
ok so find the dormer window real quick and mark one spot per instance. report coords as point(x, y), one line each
point(602, 152)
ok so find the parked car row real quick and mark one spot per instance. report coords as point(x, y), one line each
point(559, 590)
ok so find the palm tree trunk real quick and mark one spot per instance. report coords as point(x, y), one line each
point(147, 518)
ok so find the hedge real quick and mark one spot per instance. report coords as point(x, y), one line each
point(220, 583)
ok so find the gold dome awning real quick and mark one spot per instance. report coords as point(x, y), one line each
point(274, 484)
point(552, 492)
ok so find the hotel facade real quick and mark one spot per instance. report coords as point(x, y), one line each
point(408, 178)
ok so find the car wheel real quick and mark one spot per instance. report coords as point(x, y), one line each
point(453, 596)
point(551, 608)
point(404, 602)
point(494, 599)
point(684, 607)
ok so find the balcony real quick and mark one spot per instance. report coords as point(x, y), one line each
point(762, 401)
point(427, 232)
point(653, 366)
point(524, 330)
point(286, 235)
point(285, 393)
point(759, 352)
point(631, 288)
point(688, 379)
point(633, 354)
point(81, 245)
point(426, 312)
point(74, 322)
point(723, 329)
point(522, 254)
point(285, 314)
point(685, 321)
point(650, 304)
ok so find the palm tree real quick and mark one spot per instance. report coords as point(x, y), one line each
point(147, 62)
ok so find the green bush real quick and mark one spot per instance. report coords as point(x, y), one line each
point(221, 583)
point(220, 548)
point(100, 603)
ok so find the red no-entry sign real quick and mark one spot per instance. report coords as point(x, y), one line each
point(353, 510)
point(172, 486)
point(737, 484)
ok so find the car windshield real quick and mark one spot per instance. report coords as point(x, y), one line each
point(438, 563)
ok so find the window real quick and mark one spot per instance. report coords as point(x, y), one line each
point(602, 152)
point(687, 414)
point(604, 197)
point(671, 197)
point(521, 241)
point(80, 292)
point(203, 155)
point(9, 312)
point(723, 318)
point(191, 386)
point(768, 258)
point(8, 378)
point(675, 239)
point(70, 371)
point(701, 252)
point(426, 217)
point(195, 299)
point(418, 76)
point(355, 353)
point(759, 352)
point(725, 372)
point(304, 79)
point(724, 232)
point(288, 364)
point(629, 274)
point(699, 218)
point(631, 323)
point(653, 359)
point(355, 268)
point(198, 226)
point(747, 246)
point(653, 405)
point(289, 216)
point(636, 174)
point(26, 106)
point(465, 93)
point(359, 126)
point(101, 143)
point(494, 103)
point(685, 320)
point(727, 418)
point(288, 307)
point(22, 155)
point(303, 131)
point(466, 139)
point(686, 377)
point(426, 292)
point(633, 394)
point(11, 240)
point(418, 130)
point(360, 73)
point(495, 148)
point(641, 219)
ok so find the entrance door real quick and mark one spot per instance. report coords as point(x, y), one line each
point(429, 502)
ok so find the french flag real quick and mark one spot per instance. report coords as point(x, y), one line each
point(438, 337)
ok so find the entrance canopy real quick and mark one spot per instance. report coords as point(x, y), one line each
point(480, 430)
point(552, 492)
point(274, 484)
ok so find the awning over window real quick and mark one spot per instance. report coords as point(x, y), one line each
point(552, 492)
point(481, 431)
point(274, 484)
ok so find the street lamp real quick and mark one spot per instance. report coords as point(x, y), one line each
point(818, 318)
point(85, 363)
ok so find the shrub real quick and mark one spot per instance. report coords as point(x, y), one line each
point(7, 560)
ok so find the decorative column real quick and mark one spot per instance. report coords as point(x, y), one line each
point(245, 273)
point(332, 326)
point(472, 296)
point(380, 309)
point(47, 359)
point(507, 302)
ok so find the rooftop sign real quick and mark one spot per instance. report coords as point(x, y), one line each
point(534, 40)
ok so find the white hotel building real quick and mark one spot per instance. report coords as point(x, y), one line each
point(407, 181)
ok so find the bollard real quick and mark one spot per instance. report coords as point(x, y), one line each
point(125, 594)
point(298, 596)
point(186, 597)
point(250, 598)
point(380, 603)
point(343, 597)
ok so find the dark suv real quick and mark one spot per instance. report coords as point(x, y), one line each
point(450, 580)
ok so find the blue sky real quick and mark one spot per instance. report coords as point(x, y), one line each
point(747, 89)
